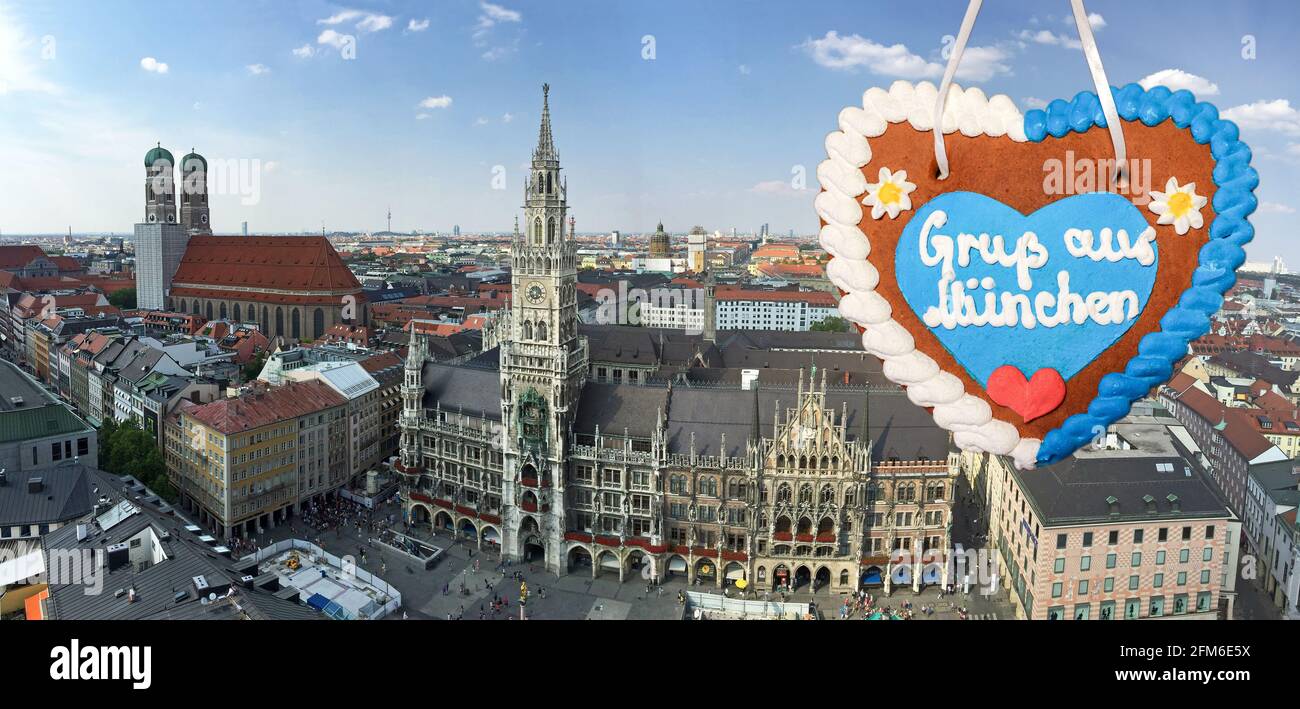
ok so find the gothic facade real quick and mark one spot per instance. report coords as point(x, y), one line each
point(813, 484)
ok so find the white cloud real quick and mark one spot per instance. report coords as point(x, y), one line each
point(983, 63)
point(375, 23)
point(744, 69)
point(497, 53)
point(417, 25)
point(306, 51)
point(1275, 208)
point(1035, 102)
point(1049, 37)
point(1177, 79)
point(500, 14)
point(366, 21)
point(333, 39)
point(1095, 20)
point(153, 65)
point(18, 69)
point(340, 18)
point(480, 121)
point(1276, 115)
point(258, 69)
point(442, 101)
point(854, 51)
point(421, 116)
point(507, 117)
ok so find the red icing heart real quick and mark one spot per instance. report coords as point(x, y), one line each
point(1031, 398)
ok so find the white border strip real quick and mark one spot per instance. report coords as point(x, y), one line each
point(969, 418)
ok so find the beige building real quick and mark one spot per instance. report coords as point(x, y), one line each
point(1131, 531)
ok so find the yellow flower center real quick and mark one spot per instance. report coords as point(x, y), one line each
point(1180, 203)
point(888, 193)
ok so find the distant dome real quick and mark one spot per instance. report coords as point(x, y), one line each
point(158, 153)
point(185, 161)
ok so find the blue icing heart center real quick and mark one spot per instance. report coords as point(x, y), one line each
point(1053, 289)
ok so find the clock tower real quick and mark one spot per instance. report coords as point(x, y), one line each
point(543, 362)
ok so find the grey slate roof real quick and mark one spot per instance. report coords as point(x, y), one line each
point(157, 585)
point(618, 407)
point(1076, 489)
point(65, 495)
point(473, 390)
point(898, 428)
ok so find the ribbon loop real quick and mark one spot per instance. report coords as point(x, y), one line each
point(1090, 53)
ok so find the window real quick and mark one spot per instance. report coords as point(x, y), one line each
point(1158, 581)
point(1207, 554)
point(1060, 541)
point(1085, 563)
point(1087, 539)
point(1137, 536)
point(1187, 533)
point(1108, 584)
point(83, 446)
point(1203, 601)
point(1083, 587)
point(56, 451)
point(1209, 531)
point(1133, 582)
point(1113, 537)
point(1056, 590)
point(1163, 534)
point(1059, 566)
point(1181, 579)
point(1160, 558)
point(1110, 561)
point(1136, 560)
point(1184, 555)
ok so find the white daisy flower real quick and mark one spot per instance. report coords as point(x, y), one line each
point(1180, 206)
point(890, 195)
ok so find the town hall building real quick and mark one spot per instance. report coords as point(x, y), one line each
point(783, 484)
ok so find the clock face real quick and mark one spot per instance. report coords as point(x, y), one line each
point(535, 293)
point(204, 218)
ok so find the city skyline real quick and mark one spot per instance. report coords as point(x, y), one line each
point(665, 119)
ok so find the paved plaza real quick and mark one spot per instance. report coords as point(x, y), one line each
point(472, 578)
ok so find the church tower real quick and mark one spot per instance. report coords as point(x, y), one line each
point(543, 362)
point(194, 194)
point(159, 186)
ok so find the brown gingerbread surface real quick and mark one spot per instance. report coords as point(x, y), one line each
point(1014, 173)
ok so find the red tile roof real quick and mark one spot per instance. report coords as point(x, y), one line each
point(67, 263)
point(15, 256)
point(267, 406)
point(294, 263)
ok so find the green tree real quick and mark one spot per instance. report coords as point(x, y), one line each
point(831, 324)
point(254, 366)
point(123, 299)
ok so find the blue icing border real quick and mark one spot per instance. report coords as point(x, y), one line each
point(1234, 200)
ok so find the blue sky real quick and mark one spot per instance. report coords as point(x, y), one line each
point(736, 96)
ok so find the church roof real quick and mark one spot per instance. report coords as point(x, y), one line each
point(17, 256)
point(158, 153)
point(286, 263)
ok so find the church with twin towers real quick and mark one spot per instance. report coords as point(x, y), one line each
point(521, 448)
point(168, 223)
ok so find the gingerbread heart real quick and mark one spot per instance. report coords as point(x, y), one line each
point(1030, 255)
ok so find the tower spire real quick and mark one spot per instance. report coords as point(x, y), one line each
point(545, 143)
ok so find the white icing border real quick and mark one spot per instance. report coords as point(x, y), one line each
point(969, 418)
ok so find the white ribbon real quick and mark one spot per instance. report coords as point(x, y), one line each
point(1094, 67)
